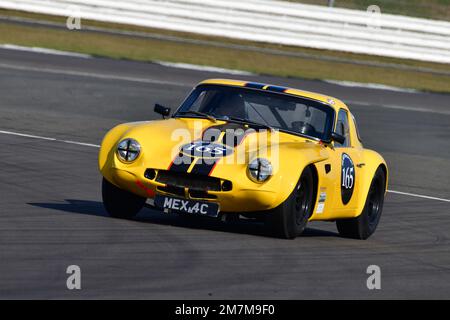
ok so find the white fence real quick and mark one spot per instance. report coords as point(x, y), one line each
point(268, 21)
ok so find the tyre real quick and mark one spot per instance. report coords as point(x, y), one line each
point(289, 219)
point(363, 226)
point(120, 203)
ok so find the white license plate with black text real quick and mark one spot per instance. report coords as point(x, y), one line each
point(209, 209)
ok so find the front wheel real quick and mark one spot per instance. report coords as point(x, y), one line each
point(289, 219)
point(363, 226)
point(120, 203)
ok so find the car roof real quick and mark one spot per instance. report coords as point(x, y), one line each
point(331, 101)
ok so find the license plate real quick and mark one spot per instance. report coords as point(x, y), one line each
point(209, 209)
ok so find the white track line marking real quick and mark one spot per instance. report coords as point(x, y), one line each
point(97, 146)
point(418, 195)
point(187, 66)
point(49, 139)
point(376, 86)
point(93, 75)
point(8, 46)
point(197, 67)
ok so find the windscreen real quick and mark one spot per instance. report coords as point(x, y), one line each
point(280, 111)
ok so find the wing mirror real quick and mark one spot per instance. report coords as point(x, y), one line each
point(164, 111)
point(337, 137)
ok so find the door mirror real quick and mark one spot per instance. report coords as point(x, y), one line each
point(164, 111)
point(337, 137)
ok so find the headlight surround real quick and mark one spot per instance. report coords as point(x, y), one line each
point(128, 150)
point(259, 170)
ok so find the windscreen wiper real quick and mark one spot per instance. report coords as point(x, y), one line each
point(208, 116)
point(251, 123)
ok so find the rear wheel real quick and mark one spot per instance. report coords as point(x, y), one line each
point(120, 203)
point(289, 219)
point(363, 226)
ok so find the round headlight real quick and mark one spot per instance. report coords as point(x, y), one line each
point(260, 170)
point(128, 150)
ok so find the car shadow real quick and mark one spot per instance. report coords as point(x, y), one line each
point(92, 208)
point(95, 208)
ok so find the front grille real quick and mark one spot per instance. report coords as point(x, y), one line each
point(190, 181)
point(201, 194)
point(172, 190)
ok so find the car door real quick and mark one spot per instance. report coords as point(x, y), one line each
point(347, 157)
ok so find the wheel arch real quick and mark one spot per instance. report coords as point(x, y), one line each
point(385, 171)
point(290, 170)
point(289, 182)
point(373, 161)
point(315, 184)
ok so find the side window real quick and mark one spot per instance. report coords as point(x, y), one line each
point(206, 100)
point(357, 130)
point(197, 104)
point(343, 129)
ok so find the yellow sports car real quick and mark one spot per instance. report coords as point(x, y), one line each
point(245, 150)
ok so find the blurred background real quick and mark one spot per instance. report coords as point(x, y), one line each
point(396, 43)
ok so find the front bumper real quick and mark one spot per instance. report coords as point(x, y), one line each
point(244, 196)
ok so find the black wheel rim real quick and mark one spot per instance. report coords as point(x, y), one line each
point(374, 203)
point(301, 204)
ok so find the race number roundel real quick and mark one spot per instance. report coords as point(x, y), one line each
point(347, 178)
point(206, 149)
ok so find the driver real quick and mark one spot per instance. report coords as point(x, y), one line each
point(305, 126)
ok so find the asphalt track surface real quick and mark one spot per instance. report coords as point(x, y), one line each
point(51, 214)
